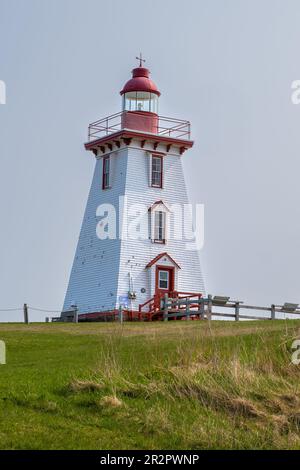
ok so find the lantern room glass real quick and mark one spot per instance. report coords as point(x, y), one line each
point(140, 101)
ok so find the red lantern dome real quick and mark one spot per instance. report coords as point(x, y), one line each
point(140, 81)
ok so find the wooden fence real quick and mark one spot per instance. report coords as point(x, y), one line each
point(187, 307)
point(206, 308)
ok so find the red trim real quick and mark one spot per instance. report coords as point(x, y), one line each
point(158, 257)
point(92, 315)
point(171, 271)
point(159, 154)
point(128, 315)
point(103, 167)
point(158, 203)
point(141, 135)
point(161, 172)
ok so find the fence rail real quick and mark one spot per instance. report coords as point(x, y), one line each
point(181, 305)
point(202, 308)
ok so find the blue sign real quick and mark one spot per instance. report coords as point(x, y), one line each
point(123, 300)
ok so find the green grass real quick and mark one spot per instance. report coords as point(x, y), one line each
point(181, 385)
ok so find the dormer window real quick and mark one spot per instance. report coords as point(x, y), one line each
point(157, 171)
point(159, 227)
point(159, 214)
point(105, 173)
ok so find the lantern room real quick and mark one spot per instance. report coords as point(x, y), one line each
point(140, 101)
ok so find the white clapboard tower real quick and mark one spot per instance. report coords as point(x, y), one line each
point(138, 161)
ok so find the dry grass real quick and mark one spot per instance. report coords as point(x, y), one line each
point(84, 386)
point(157, 420)
point(183, 385)
point(150, 330)
point(246, 385)
point(111, 401)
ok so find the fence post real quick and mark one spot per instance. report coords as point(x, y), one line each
point(209, 307)
point(25, 310)
point(187, 309)
point(272, 312)
point(202, 309)
point(237, 311)
point(199, 307)
point(75, 318)
point(120, 314)
point(166, 301)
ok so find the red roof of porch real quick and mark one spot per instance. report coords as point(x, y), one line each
point(158, 257)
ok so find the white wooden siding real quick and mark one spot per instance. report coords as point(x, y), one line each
point(136, 254)
point(100, 272)
point(94, 275)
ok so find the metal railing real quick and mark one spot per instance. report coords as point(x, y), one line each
point(166, 127)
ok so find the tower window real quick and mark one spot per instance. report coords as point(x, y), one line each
point(163, 279)
point(159, 227)
point(105, 173)
point(157, 171)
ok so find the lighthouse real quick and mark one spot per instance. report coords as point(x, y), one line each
point(135, 243)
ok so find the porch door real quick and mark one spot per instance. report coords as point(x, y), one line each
point(164, 280)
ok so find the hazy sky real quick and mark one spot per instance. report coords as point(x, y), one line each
point(225, 65)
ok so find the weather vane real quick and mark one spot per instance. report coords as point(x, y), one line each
point(141, 59)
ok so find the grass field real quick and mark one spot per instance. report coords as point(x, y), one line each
point(181, 385)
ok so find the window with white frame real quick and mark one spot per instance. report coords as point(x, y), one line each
point(163, 279)
point(157, 171)
point(105, 173)
point(159, 227)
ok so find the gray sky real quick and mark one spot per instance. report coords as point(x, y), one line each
point(225, 65)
